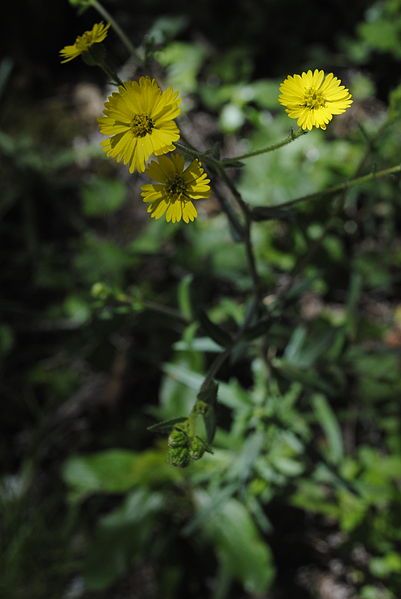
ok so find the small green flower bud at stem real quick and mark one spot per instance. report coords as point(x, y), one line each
point(197, 448)
point(178, 438)
point(179, 456)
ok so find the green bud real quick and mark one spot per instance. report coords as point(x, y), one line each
point(197, 448)
point(179, 456)
point(178, 438)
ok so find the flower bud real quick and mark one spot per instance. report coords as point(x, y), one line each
point(178, 438)
point(197, 448)
point(179, 456)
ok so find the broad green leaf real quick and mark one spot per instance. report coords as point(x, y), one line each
point(115, 471)
point(238, 544)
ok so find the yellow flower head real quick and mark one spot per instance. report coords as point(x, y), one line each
point(313, 98)
point(139, 117)
point(175, 189)
point(83, 42)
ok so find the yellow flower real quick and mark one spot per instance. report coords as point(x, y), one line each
point(139, 117)
point(313, 98)
point(175, 189)
point(83, 42)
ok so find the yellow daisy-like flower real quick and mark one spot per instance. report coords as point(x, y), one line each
point(83, 42)
point(139, 117)
point(313, 98)
point(176, 188)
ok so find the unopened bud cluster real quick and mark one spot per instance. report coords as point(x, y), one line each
point(184, 447)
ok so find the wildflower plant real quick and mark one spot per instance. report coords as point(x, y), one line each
point(141, 125)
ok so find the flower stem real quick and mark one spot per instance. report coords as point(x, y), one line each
point(123, 37)
point(191, 152)
point(265, 212)
point(115, 79)
point(215, 367)
point(246, 211)
point(291, 137)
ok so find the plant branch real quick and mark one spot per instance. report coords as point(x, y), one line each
point(265, 212)
point(291, 137)
point(245, 209)
point(123, 37)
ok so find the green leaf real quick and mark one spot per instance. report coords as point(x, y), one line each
point(166, 425)
point(265, 93)
point(120, 537)
point(199, 344)
point(102, 196)
point(239, 546)
point(231, 395)
point(183, 61)
point(184, 296)
point(329, 423)
point(382, 35)
point(208, 397)
point(115, 471)
point(308, 345)
point(214, 331)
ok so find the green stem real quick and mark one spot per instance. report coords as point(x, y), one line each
point(166, 311)
point(245, 209)
point(265, 212)
point(124, 39)
point(291, 137)
point(192, 152)
point(215, 366)
point(231, 214)
point(110, 73)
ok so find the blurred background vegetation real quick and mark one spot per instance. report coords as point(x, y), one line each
point(302, 495)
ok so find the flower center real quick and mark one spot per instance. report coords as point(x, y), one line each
point(175, 188)
point(314, 99)
point(141, 125)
